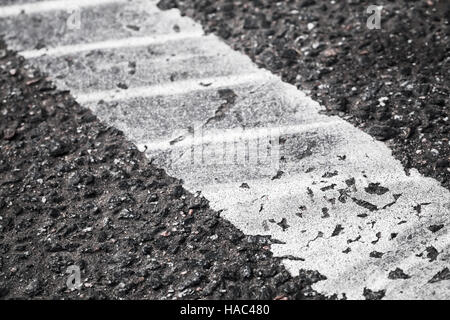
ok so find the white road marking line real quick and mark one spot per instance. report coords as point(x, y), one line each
point(46, 6)
point(175, 88)
point(109, 44)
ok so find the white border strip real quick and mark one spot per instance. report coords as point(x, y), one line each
point(46, 6)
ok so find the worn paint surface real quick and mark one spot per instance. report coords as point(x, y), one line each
point(330, 197)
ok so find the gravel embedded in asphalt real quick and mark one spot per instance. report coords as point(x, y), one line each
point(392, 83)
point(67, 177)
point(74, 192)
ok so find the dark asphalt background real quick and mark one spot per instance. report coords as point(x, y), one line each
point(75, 192)
point(348, 68)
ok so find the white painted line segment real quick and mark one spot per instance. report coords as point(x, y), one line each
point(46, 6)
point(175, 88)
point(109, 44)
point(216, 136)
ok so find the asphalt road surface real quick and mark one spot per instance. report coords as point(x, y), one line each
point(308, 189)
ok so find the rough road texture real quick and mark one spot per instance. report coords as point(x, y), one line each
point(73, 191)
point(340, 204)
point(393, 83)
